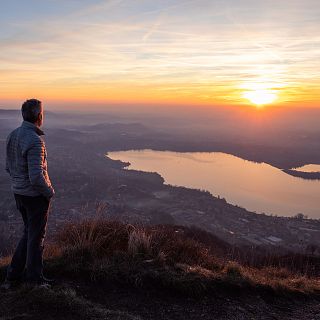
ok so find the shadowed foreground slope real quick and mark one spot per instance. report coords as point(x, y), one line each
point(111, 270)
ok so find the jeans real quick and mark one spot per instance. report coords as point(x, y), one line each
point(29, 251)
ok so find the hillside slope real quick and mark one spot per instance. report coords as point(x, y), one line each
point(111, 270)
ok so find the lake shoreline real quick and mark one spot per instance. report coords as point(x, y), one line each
point(260, 176)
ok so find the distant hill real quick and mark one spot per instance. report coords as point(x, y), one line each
point(9, 114)
point(112, 270)
point(15, 112)
point(303, 175)
point(136, 128)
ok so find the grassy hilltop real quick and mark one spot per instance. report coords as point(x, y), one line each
point(113, 270)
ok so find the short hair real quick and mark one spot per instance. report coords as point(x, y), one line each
point(31, 109)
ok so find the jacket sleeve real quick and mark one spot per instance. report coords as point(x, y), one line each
point(36, 158)
point(7, 165)
point(7, 159)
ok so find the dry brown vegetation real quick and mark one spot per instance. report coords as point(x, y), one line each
point(162, 270)
point(186, 260)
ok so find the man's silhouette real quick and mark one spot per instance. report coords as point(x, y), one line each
point(26, 162)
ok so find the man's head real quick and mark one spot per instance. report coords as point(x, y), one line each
point(32, 111)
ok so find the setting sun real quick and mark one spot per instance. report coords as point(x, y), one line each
point(157, 54)
point(260, 97)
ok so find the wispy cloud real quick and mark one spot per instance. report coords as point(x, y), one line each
point(204, 50)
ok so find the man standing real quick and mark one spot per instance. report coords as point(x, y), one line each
point(26, 162)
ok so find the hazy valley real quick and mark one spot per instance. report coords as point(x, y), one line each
point(85, 178)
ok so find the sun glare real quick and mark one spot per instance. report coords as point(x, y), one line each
point(260, 97)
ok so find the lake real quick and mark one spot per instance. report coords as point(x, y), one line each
point(309, 168)
point(257, 187)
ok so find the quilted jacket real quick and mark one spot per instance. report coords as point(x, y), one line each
point(26, 162)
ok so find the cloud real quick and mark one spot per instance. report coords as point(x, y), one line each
point(171, 45)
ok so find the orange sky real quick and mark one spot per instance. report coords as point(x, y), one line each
point(163, 52)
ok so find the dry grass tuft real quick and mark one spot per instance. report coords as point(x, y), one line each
point(164, 256)
point(139, 243)
point(94, 238)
